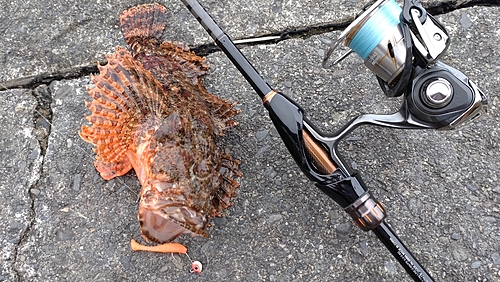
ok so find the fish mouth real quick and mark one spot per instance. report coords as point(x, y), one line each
point(163, 222)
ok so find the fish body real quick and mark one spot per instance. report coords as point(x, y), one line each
point(150, 112)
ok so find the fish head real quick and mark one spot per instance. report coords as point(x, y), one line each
point(164, 214)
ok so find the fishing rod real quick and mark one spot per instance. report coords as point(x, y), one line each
point(405, 62)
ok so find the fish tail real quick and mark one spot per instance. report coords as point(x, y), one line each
point(143, 23)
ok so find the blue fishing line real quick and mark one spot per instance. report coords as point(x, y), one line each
point(375, 29)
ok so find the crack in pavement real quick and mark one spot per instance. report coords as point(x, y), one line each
point(24, 235)
point(42, 120)
point(31, 82)
point(42, 116)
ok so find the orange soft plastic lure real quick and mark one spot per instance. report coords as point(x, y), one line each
point(163, 248)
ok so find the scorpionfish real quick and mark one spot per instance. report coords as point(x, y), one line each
point(150, 112)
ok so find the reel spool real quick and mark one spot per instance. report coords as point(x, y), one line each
point(392, 41)
point(377, 38)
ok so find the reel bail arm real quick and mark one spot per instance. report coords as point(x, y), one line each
point(406, 14)
point(428, 35)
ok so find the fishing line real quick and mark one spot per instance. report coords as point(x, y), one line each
point(375, 29)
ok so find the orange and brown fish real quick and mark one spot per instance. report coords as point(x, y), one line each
point(150, 112)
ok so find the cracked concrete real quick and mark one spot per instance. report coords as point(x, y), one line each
point(62, 222)
point(20, 165)
point(277, 18)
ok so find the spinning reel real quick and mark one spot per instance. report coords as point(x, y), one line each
point(401, 47)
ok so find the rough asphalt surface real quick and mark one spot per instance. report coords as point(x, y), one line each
point(61, 222)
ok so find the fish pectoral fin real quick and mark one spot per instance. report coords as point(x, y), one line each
point(227, 191)
point(112, 170)
point(123, 95)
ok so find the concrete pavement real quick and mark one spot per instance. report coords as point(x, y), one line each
point(62, 222)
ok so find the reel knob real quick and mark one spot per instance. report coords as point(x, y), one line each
point(437, 93)
point(444, 98)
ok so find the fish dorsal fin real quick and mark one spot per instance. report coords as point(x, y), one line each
point(143, 23)
point(192, 65)
point(125, 94)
